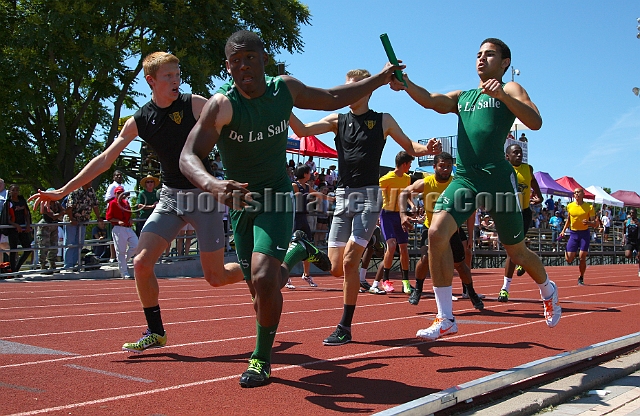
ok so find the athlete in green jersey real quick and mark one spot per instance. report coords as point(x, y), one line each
point(485, 115)
point(249, 121)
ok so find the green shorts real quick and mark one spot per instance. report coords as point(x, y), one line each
point(491, 187)
point(261, 232)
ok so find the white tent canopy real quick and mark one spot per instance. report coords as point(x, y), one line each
point(604, 198)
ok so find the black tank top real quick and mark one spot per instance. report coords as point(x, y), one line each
point(166, 131)
point(359, 143)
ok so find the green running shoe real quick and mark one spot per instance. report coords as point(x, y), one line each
point(257, 374)
point(503, 296)
point(315, 256)
point(148, 340)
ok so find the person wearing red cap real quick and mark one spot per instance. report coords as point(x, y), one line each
point(125, 241)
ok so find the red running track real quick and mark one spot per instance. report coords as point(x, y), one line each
point(60, 344)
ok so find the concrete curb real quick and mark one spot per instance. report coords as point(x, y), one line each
point(560, 391)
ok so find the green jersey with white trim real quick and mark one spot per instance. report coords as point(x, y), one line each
point(253, 146)
point(483, 126)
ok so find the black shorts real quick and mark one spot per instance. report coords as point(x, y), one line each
point(631, 247)
point(527, 218)
point(606, 230)
point(457, 248)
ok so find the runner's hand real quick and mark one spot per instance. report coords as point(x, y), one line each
point(43, 198)
point(231, 193)
point(388, 69)
point(493, 88)
point(434, 146)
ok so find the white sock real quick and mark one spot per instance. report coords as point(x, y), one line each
point(546, 289)
point(507, 283)
point(375, 283)
point(363, 274)
point(444, 302)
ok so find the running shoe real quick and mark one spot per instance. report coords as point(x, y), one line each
point(387, 285)
point(365, 285)
point(376, 290)
point(552, 309)
point(580, 281)
point(257, 374)
point(315, 256)
point(503, 296)
point(465, 295)
point(148, 340)
point(476, 301)
point(438, 328)
point(339, 337)
point(519, 270)
point(309, 280)
point(406, 287)
point(414, 298)
point(289, 285)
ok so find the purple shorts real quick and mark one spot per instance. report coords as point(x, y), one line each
point(578, 240)
point(392, 227)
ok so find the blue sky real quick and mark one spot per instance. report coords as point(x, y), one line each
point(578, 60)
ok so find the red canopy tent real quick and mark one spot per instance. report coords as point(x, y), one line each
point(630, 198)
point(571, 184)
point(312, 146)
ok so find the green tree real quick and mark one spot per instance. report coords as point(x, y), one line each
point(69, 66)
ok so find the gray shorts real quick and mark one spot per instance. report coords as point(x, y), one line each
point(178, 207)
point(356, 215)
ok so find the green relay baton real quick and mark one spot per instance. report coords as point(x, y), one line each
point(391, 56)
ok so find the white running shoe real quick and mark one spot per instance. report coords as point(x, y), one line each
point(289, 285)
point(552, 309)
point(439, 327)
point(309, 280)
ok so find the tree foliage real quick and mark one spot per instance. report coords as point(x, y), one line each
point(70, 66)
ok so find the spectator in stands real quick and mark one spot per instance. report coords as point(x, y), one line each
point(523, 138)
point(605, 220)
point(302, 189)
point(322, 222)
point(555, 223)
point(99, 232)
point(331, 177)
point(21, 234)
point(549, 204)
point(147, 200)
point(118, 179)
point(622, 215)
point(47, 235)
point(80, 203)
point(510, 136)
point(488, 231)
point(183, 242)
point(311, 164)
point(125, 240)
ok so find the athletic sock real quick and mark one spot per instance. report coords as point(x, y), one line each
point(444, 302)
point(363, 274)
point(375, 283)
point(468, 288)
point(405, 275)
point(385, 274)
point(419, 284)
point(264, 342)
point(295, 254)
point(546, 289)
point(154, 320)
point(507, 283)
point(347, 316)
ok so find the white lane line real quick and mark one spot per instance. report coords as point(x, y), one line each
point(281, 368)
point(108, 373)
